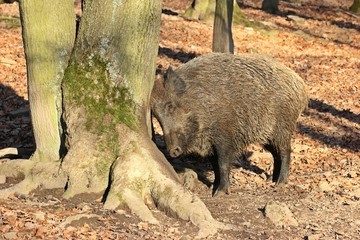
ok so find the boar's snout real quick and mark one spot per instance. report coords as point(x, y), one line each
point(175, 152)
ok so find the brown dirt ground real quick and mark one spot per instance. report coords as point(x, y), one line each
point(323, 46)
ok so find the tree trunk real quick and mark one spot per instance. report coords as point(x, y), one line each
point(355, 7)
point(222, 34)
point(270, 6)
point(47, 56)
point(106, 91)
point(107, 88)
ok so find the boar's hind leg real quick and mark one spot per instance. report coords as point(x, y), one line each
point(225, 157)
point(281, 155)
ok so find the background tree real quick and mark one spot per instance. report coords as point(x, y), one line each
point(104, 129)
point(270, 6)
point(222, 13)
point(355, 7)
point(222, 33)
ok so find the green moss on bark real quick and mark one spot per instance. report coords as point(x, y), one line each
point(107, 103)
point(102, 167)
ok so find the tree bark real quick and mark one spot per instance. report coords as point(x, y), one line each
point(107, 87)
point(355, 7)
point(48, 46)
point(270, 6)
point(222, 33)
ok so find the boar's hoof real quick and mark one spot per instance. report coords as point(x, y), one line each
point(175, 152)
point(282, 179)
point(220, 191)
point(281, 183)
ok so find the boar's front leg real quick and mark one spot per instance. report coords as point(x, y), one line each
point(222, 162)
point(215, 165)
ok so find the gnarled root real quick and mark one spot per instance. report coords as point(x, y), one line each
point(143, 179)
point(36, 174)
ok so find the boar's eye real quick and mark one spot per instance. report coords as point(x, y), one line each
point(169, 107)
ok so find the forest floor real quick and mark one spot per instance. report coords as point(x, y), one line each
point(319, 40)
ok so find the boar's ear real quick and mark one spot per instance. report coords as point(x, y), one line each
point(174, 82)
point(157, 91)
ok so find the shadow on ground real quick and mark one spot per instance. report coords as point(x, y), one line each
point(15, 123)
point(341, 135)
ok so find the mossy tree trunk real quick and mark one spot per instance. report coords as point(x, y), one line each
point(222, 33)
point(107, 87)
point(47, 56)
point(106, 117)
point(355, 7)
point(270, 6)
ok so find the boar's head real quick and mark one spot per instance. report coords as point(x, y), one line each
point(170, 107)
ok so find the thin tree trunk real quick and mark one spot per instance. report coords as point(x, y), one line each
point(222, 34)
point(48, 46)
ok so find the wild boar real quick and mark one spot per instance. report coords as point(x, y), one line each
point(218, 104)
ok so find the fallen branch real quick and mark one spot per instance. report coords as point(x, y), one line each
point(20, 152)
point(8, 151)
point(349, 13)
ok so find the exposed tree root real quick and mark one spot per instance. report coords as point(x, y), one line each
point(36, 174)
point(142, 183)
point(86, 169)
